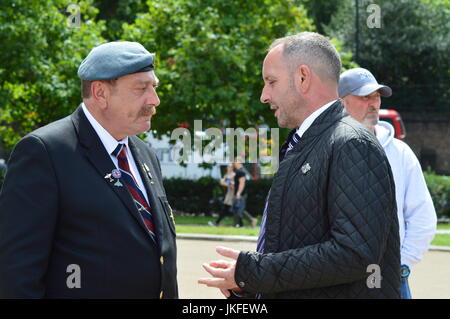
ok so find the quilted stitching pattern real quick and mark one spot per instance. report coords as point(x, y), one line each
point(326, 226)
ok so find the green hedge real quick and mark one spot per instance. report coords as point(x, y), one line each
point(194, 197)
point(205, 196)
point(439, 187)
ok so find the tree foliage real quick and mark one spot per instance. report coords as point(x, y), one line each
point(209, 57)
point(39, 61)
point(409, 52)
point(116, 12)
point(321, 12)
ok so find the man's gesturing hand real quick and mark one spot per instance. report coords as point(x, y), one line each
point(222, 271)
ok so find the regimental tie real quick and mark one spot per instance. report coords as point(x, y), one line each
point(295, 138)
point(141, 203)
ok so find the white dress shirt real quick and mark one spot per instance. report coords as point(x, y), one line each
point(110, 144)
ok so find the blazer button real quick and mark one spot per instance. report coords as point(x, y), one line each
point(161, 260)
point(242, 284)
point(161, 295)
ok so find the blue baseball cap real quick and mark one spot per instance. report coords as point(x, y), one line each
point(360, 82)
point(115, 59)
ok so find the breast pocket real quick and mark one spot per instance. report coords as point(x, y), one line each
point(168, 213)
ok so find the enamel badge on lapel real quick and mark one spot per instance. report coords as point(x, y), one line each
point(147, 170)
point(305, 168)
point(115, 174)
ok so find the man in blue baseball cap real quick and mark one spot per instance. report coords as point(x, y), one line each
point(358, 86)
point(83, 211)
point(361, 94)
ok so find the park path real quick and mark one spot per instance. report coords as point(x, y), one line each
point(430, 278)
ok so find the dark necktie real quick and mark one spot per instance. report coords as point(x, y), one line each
point(141, 204)
point(294, 139)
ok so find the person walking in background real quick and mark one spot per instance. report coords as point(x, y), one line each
point(228, 182)
point(361, 94)
point(240, 195)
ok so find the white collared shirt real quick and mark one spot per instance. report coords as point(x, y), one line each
point(310, 119)
point(110, 144)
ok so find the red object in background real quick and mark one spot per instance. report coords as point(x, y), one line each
point(393, 118)
point(183, 124)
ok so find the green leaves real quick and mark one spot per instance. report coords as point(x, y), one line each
point(40, 57)
point(209, 56)
point(409, 52)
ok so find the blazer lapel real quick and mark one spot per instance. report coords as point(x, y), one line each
point(100, 159)
point(150, 183)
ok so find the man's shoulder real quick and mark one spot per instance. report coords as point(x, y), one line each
point(53, 135)
point(56, 130)
point(399, 152)
point(348, 129)
point(240, 173)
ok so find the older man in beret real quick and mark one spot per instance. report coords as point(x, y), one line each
point(83, 211)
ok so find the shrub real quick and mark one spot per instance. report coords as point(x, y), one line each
point(439, 187)
point(205, 196)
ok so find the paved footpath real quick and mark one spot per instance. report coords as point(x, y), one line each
point(430, 278)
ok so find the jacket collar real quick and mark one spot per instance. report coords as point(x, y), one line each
point(330, 116)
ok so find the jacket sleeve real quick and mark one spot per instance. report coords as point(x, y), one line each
point(360, 197)
point(28, 214)
point(418, 211)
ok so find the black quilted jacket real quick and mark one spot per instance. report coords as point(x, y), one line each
point(326, 225)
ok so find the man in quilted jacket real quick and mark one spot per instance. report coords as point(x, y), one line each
point(329, 227)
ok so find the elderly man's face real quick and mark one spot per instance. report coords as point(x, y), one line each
point(364, 109)
point(132, 103)
point(278, 90)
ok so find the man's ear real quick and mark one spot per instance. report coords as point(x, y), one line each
point(344, 101)
point(303, 78)
point(100, 92)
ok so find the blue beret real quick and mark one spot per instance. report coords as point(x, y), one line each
point(115, 59)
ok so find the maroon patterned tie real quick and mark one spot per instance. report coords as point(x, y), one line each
point(139, 199)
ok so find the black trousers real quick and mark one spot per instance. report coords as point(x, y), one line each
point(226, 210)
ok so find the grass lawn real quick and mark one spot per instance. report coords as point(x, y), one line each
point(221, 230)
point(199, 225)
point(203, 220)
point(441, 240)
point(443, 226)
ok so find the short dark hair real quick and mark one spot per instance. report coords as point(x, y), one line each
point(314, 50)
point(86, 87)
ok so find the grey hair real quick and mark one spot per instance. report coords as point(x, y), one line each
point(313, 50)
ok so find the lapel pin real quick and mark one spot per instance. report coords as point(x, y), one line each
point(115, 173)
point(147, 170)
point(108, 176)
point(306, 168)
